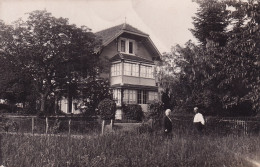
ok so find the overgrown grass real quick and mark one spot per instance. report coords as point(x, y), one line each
point(129, 149)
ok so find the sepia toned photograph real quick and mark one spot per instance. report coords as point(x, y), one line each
point(129, 83)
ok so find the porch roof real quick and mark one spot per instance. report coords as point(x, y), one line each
point(136, 58)
point(138, 87)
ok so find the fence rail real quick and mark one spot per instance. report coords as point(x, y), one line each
point(81, 125)
point(33, 124)
point(222, 126)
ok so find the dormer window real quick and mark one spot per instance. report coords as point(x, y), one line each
point(131, 47)
point(123, 46)
point(126, 46)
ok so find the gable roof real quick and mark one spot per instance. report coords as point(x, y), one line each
point(108, 35)
point(113, 32)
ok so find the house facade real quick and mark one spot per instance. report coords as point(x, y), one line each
point(131, 57)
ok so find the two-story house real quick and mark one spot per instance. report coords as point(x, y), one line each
point(132, 56)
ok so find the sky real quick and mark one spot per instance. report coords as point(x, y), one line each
point(166, 21)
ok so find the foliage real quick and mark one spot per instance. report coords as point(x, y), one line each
point(92, 93)
point(156, 111)
point(235, 65)
point(220, 78)
point(188, 72)
point(107, 109)
point(133, 112)
point(5, 107)
point(10, 124)
point(210, 22)
point(55, 54)
point(15, 85)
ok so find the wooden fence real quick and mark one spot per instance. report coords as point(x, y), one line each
point(61, 124)
point(221, 126)
point(81, 125)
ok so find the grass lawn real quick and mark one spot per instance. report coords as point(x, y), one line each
point(129, 149)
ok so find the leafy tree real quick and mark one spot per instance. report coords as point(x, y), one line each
point(15, 85)
point(210, 22)
point(222, 78)
point(53, 52)
point(189, 71)
point(232, 69)
point(239, 59)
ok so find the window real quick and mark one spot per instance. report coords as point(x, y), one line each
point(116, 69)
point(146, 71)
point(127, 69)
point(135, 70)
point(126, 45)
point(131, 47)
point(129, 96)
point(142, 97)
point(152, 96)
point(131, 69)
point(123, 45)
point(117, 95)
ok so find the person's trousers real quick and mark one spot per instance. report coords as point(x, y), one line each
point(198, 126)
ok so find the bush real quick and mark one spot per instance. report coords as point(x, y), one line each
point(107, 109)
point(156, 112)
point(5, 108)
point(133, 112)
point(144, 128)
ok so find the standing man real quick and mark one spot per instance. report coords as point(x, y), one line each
point(166, 99)
point(198, 120)
point(167, 123)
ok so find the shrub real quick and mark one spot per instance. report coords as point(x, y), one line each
point(5, 108)
point(133, 112)
point(144, 128)
point(156, 112)
point(10, 124)
point(107, 109)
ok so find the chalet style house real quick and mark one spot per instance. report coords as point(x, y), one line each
point(132, 57)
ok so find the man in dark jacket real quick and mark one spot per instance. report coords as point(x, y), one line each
point(166, 99)
point(167, 123)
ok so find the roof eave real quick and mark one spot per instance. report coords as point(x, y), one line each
point(158, 52)
point(130, 32)
point(121, 32)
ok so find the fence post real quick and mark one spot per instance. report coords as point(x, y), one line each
point(112, 124)
point(47, 125)
point(103, 127)
point(32, 125)
point(69, 125)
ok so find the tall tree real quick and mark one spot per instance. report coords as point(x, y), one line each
point(53, 52)
point(210, 22)
point(187, 79)
point(240, 62)
point(233, 67)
